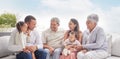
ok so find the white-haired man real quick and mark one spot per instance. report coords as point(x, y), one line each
point(52, 39)
point(94, 44)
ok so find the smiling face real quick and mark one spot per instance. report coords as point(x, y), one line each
point(54, 26)
point(72, 25)
point(31, 24)
point(90, 25)
point(72, 36)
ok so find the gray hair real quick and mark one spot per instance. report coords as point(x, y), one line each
point(56, 20)
point(93, 18)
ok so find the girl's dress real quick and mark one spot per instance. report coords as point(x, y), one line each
point(71, 53)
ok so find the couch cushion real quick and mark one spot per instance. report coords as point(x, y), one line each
point(113, 57)
point(9, 57)
point(109, 41)
point(4, 46)
point(115, 46)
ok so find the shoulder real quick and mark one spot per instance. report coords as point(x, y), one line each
point(61, 30)
point(46, 31)
point(80, 33)
point(14, 32)
point(67, 31)
point(99, 29)
point(35, 32)
point(86, 32)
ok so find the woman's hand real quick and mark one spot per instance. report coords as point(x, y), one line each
point(79, 48)
point(84, 51)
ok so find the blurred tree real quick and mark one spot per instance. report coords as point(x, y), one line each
point(7, 20)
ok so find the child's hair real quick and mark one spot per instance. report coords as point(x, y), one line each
point(73, 33)
point(19, 25)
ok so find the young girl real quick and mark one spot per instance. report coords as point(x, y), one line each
point(21, 35)
point(69, 52)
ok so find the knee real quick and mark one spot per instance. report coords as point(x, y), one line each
point(24, 55)
point(47, 51)
point(57, 51)
point(87, 56)
point(41, 51)
point(80, 55)
point(44, 52)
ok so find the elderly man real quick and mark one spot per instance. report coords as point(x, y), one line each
point(52, 39)
point(94, 45)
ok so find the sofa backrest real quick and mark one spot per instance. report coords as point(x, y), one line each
point(115, 50)
point(5, 34)
point(4, 39)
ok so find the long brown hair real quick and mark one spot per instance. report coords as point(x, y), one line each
point(76, 29)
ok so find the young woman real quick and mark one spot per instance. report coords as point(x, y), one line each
point(74, 26)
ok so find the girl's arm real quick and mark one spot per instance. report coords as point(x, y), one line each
point(33, 55)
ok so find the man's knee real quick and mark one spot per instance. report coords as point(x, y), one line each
point(58, 51)
point(24, 55)
point(88, 55)
point(40, 51)
point(47, 51)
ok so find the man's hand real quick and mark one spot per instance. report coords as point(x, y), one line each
point(51, 49)
point(32, 48)
point(26, 50)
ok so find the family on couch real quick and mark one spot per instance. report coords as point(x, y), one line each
point(56, 43)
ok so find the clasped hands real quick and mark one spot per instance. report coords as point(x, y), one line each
point(31, 49)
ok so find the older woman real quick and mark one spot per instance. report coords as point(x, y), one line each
point(94, 45)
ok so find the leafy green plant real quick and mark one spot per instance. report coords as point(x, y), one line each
point(7, 20)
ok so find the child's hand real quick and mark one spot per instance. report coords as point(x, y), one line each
point(72, 49)
point(69, 46)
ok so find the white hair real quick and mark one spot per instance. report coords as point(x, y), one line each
point(56, 20)
point(93, 18)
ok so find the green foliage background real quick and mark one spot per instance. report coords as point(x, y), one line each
point(7, 20)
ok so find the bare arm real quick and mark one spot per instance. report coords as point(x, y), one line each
point(66, 35)
point(33, 55)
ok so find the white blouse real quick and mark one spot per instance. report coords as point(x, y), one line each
point(18, 43)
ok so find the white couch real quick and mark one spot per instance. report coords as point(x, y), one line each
point(113, 41)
